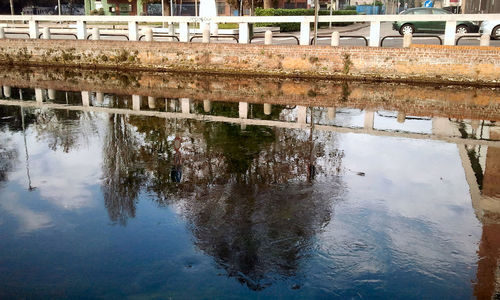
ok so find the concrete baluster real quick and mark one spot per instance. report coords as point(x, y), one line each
point(206, 33)
point(301, 114)
point(185, 105)
point(2, 33)
point(243, 110)
point(85, 98)
point(485, 40)
point(148, 34)
point(207, 105)
point(244, 33)
point(95, 34)
point(407, 40)
point(184, 32)
point(33, 29)
point(171, 30)
point(173, 105)
point(449, 33)
point(335, 39)
point(374, 34)
point(369, 118)
point(267, 109)
point(214, 29)
point(46, 33)
point(151, 102)
point(81, 30)
point(133, 31)
point(39, 95)
point(136, 102)
point(52, 94)
point(268, 37)
point(305, 32)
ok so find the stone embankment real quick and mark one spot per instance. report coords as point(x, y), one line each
point(418, 63)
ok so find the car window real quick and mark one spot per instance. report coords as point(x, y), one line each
point(422, 12)
point(408, 12)
point(439, 12)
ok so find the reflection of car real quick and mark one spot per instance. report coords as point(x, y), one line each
point(430, 26)
point(491, 27)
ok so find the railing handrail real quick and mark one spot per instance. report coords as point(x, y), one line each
point(254, 19)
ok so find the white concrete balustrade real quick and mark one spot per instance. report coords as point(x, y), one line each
point(79, 24)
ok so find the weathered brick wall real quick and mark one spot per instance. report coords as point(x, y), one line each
point(418, 63)
point(417, 100)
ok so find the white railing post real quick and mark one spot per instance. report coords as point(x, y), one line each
point(46, 33)
point(206, 33)
point(244, 33)
point(268, 37)
point(136, 102)
point(185, 105)
point(85, 98)
point(33, 29)
point(95, 34)
point(374, 34)
point(2, 33)
point(407, 40)
point(449, 33)
point(81, 30)
point(335, 39)
point(301, 114)
point(39, 95)
point(148, 34)
point(305, 32)
point(133, 31)
point(184, 32)
point(485, 40)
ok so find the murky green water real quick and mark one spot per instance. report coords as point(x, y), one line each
point(181, 199)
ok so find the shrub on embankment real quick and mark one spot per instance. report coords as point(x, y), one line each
point(284, 27)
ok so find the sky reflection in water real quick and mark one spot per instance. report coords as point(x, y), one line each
point(259, 212)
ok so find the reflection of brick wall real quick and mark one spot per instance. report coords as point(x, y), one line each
point(421, 63)
point(489, 252)
point(491, 181)
point(418, 100)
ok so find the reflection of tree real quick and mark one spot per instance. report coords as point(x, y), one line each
point(257, 233)
point(53, 125)
point(123, 175)
point(8, 156)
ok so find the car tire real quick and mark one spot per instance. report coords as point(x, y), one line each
point(406, 28)
point(495, 33)
point(462, 29)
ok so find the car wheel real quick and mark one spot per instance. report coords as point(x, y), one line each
point(462, 29)
point(496, 33)
point(406, 29)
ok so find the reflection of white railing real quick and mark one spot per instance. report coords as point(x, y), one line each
point(301, 121)
point(244, 32)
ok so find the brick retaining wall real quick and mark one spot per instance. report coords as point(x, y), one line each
point(468, 64)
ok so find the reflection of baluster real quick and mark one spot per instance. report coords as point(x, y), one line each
point(151, 102)
point(401, 117)
point(185, 105)
point(136, 102)
point(301, 114)
point(207, 106)
point(331, 113)
point(39, 95)
point(30, 188)
point(267, 109)
point(85, 98)
point(174, 105)
point(51, 94)
point(99, 98)
point(369, 117)
point(443, 127)
point(7, 91)
point(243, 110)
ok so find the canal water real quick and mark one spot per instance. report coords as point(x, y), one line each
point(121, 195)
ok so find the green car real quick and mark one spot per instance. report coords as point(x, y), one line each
point(405, 27)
